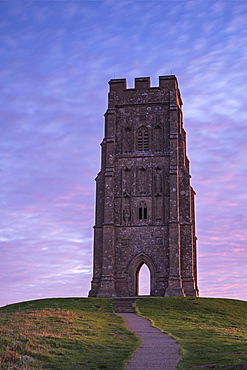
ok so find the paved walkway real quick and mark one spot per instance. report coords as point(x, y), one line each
point(158, 350)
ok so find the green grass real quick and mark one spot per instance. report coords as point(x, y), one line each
point(84, 333)
point(79, 333)
point(209, 331)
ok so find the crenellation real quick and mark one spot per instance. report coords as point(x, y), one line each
point(142, 83)
point(117, 85)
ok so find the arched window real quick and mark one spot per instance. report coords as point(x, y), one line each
point(142, 139)
point(143, 213)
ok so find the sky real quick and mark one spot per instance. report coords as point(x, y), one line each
point(56, 60)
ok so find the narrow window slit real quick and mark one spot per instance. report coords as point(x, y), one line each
point(143, 212)
point(140, 213)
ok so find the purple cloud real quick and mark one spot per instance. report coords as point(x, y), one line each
point(56, 59)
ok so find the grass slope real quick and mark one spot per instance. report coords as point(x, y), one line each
point(84, 333)
point(65, 333)
point(211, 332)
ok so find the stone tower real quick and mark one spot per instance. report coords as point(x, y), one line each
point(144, 201)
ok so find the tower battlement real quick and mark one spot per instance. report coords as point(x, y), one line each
point(167, 91)
point(143, 83)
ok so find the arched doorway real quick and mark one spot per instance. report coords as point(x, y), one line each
point(143, 280)
point(134, 274)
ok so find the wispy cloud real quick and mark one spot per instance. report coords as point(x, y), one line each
point(56, 60)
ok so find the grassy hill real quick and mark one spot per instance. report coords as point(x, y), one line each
point(63, 334)
point(84, 333)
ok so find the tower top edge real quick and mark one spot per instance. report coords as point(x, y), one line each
point(143, 83)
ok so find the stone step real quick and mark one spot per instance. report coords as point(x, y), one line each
point(123, 305)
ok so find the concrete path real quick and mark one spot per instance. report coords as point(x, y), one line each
point(158, 350)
